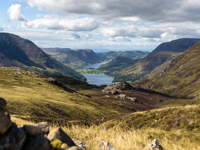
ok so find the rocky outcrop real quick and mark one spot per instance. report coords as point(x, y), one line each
point(106, 146)
point(115, 89)
point(31, 137)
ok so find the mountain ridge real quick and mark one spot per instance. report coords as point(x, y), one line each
point(31, 56)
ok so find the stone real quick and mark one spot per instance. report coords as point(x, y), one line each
point(3, 104)
point(5, 122)
point(74, 148)
point(106, 146)
point(44, 127)
point(38, 143)
point(14, 139)
point(32, 130)
point(79, 144)
point(155, 145)
point(64, 146)
point(133, 99)
point(59, 134)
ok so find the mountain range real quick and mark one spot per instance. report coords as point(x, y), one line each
point(16, 51)
point(127, 54)
point(161, 54)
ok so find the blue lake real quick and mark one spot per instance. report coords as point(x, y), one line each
point(97, 79)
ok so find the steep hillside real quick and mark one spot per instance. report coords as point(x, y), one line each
point(150, 62)
point(118, 64)
point(16, 51)
point(181, 77)
point(55, 51)
point(128, 54)
point(79, 57)
point(161, 54)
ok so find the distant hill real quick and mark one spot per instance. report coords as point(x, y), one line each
point(180, 78)
point(55, 51)
point(16, 51)
point(128, 54)
point(179, 45)
point(161, 54)
point(78, 57)
point(118, 64)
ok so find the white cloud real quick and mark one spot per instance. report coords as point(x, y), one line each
point(126, 10)
point(15, 13)
point(54, 22)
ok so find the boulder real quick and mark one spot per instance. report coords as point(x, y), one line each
point(124, 86)
point(44, 127)
point(106, 146)
point(5, 122)
point(14, 139)
point(3, 104)
point(32, 130)
point(38, 143)
point(59, 134)
point(155, 145)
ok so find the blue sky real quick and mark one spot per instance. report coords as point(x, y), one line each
point(101, 25)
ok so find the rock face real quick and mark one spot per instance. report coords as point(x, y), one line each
point(115, 89)
point(155, 145)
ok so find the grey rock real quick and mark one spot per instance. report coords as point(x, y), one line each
point(106, 146)
point(32, 130)
point(44, 127)
point(38, 143)
point(5, 122)
point(3, 104)
point(155, 145)
point(80, 144)
point(59, 134)
point(133, 99)
point(14, 139)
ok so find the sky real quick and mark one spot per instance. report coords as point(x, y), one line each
point(101, 25)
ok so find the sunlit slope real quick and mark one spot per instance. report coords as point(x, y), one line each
point(37, 99)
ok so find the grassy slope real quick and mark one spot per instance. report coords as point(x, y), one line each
point(36, 99)
point(181, 76)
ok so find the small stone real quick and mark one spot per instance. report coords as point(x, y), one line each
point(155, 145)
point(3, 104)
point(44, 127)
point(106, 146)
point(38, 143)
point(5, 122)
point(59, 134)
point(14, 139)
point(32, 130)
